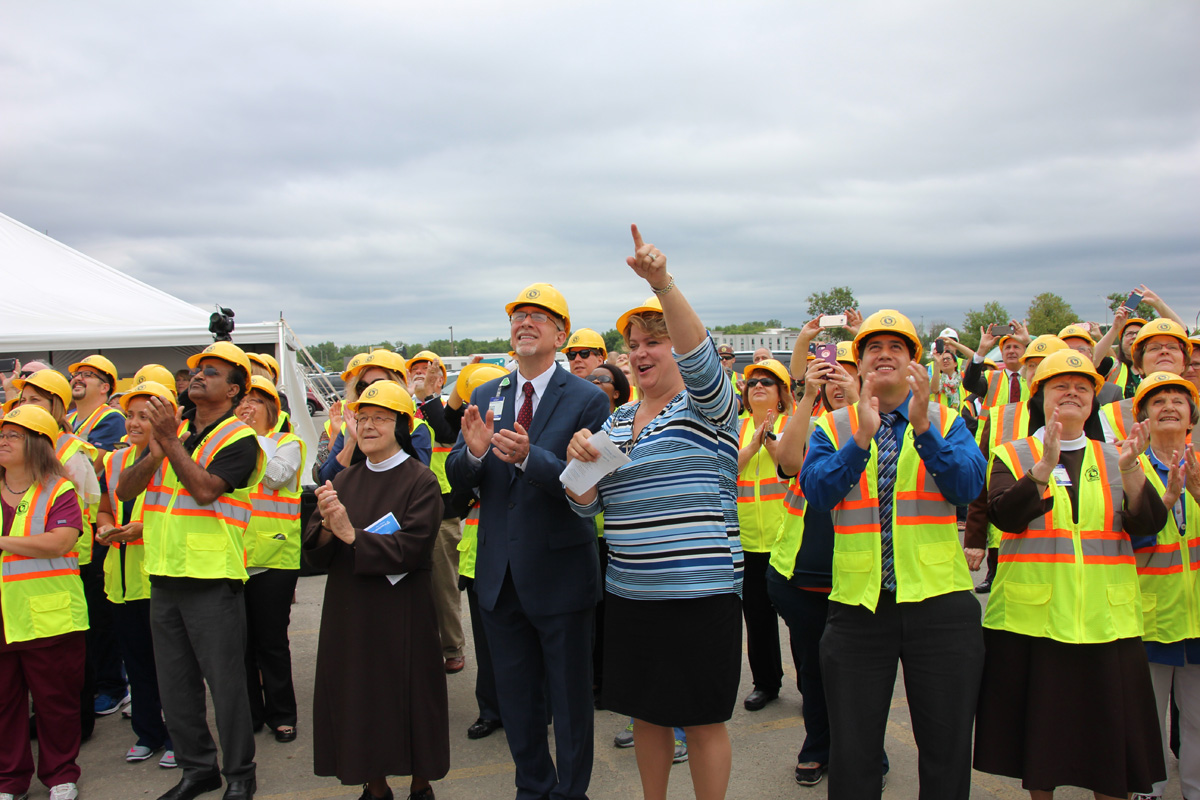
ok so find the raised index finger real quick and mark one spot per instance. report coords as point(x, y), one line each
point(637, 237)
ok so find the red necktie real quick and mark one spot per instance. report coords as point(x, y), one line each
point(525, 415)
point(1014, 388)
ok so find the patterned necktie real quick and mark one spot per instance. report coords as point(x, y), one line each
point(885, 442)
point(525, 415)
point(1014, 388)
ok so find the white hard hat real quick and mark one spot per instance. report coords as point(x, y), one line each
point(948, 332)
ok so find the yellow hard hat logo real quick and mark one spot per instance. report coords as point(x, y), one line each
point(889, 321)
point(533, 294)
point(210, 348)
point(22, 507)
point(1164, 326)
point(1074, 361)
point(16, 412)
point(1039, 347)
point(371, 392)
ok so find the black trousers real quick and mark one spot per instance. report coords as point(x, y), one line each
point(103, 653)
point(199, 629)
point(485, 677)
point(940, 643)
point(268, 651)
point(762, 625)
point(131, 622)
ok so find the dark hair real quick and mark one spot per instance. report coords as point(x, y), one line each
point(271, 405)
point(238, 377)
point(620, 382)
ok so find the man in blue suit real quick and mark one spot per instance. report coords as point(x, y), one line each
point(536, 570)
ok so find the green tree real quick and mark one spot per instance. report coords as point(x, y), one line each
point(1049, 313)
point(1143, 310)
point(614, 342)
point(992, 313)
point(835, 301)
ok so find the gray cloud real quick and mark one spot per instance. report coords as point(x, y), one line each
point(380, 171)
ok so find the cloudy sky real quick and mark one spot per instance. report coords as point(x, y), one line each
point(387, 169)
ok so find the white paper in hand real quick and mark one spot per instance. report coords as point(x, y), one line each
point(386, 526)
point(579, 476)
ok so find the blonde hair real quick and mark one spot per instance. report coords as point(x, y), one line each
point(57, 409)
point(651, 323)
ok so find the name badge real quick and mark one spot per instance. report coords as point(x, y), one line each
point(496, 406)
point(1060, 475)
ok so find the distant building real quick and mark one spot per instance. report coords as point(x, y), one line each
point(775, 339)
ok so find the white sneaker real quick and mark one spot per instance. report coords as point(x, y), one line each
point(64, 791)
point(168, 760)
point(11, 796)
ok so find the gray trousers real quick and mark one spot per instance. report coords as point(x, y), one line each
point(199, 630)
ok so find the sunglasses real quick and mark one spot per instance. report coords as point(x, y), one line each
point(583, 352)
point(208, 371)
point(764, 382)
point(728, 357)
point(600, 378)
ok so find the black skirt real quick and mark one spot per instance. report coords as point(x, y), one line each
point(1056, 714)
point(674, 663)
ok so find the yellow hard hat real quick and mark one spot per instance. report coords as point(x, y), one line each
point(1157, 380)
point(543, 295)
point(1160, 327)
point(652, 304)
point(387, 394)
point(473, 376)
point(888, 321)
point(100, 364)
point(845, 353)
point(9, 405)
point(1065, 362)
point(426, 355)
point(148, 389)
point(586, 337)
point(1077, 332)
point(353, 366)
point(385, 359)
point(989, 364)
point(268, 361)
point(157, 373)
point(776, 368)
point(266, 387)
point(34, 418)
point(227, 352)
point(48, 380)
point(1043, 346)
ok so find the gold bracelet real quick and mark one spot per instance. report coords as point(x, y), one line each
point(666, 289)
point(1136, 466)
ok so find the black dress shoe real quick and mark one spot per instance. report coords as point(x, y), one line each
point(984, 588)
point(285, 733)
point(483, 728)
point(189, 787)
point(758, 698)
point(241, 790)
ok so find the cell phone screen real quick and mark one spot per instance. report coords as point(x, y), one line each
point(1134, 301)
point(8, 364)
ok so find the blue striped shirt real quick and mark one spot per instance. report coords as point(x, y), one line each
point(670, 515)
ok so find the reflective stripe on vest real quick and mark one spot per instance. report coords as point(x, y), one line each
point(40, 597)
point(272, 539)
point(437, 462)
point(1118, 375)
point(1168, 574)
point(67, 445)
point(998, 391)
point(1006, 423)
point(85, 430)
point(132, 582)
point(760, 493)
point(791, 530)
point(1058, 579)
point(926, 551)
point(1117, 420)
point(186, 539)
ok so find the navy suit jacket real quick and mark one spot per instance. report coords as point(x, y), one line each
point(526, 525)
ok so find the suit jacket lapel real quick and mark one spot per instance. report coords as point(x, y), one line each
point(554, 391)
point(509, 415)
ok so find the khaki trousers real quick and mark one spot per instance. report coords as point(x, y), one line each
point(446, 597)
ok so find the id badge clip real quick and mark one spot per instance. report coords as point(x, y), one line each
point(496, 406)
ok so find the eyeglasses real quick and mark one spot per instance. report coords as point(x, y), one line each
point(728, 357)
point(583, 352)
point(12, 437)
point(537, 316)
point(209, 371)
point(375, 420)
point(83, 373)
point(1158, 348)
point(764, 382)
point(600, 378)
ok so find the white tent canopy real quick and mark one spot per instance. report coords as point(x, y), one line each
point(58, 305)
